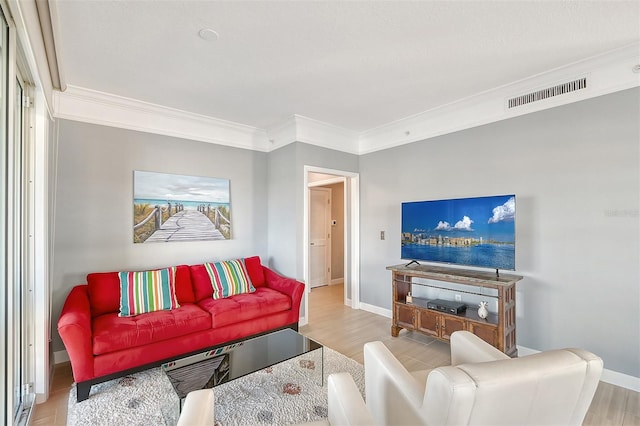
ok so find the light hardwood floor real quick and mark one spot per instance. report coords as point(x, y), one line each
point(346, 331)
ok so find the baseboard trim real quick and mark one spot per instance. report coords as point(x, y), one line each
point(303, 321)
point(335, 281)
point(60, 357)
point(524, 351)
point(375, 310)
point(608, 376)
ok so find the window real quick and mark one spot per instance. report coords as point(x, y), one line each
point(16, 358)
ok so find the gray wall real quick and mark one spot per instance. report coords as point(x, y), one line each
point(575, 172)
point(282, 210)
point(94, 195)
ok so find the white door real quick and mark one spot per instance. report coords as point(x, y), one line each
point(319, 236)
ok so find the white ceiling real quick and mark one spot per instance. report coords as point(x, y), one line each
point(354, 64)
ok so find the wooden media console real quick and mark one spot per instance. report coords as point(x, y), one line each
point(498, 329)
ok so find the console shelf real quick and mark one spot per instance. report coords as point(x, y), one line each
point(498, 329)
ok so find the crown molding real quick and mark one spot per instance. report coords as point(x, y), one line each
point(298, 128)
point(606, 73)
point(91, 106)
point(282, 134)
point(326, 135)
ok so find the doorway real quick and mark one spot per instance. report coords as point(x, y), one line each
point(340, 261)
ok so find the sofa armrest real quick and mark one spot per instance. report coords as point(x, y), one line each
point(74, 327)
point(289, 286)
point(346, 406)
point(594, 367)
point(198, 409)
point(468, 348)
point(393, 395)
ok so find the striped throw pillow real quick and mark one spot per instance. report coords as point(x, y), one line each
point(147, 291)
point(229, 278)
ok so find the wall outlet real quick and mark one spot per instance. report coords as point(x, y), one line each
point(458, 298)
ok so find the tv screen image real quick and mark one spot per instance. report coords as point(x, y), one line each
point(477, 231)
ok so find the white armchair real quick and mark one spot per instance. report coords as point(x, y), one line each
point(198, 409)
point(482, 387)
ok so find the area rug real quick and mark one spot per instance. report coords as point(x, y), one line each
point(286, 393)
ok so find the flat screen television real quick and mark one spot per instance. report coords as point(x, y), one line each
point(477, 231)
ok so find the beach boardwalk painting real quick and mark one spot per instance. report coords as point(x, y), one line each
point(168, 208)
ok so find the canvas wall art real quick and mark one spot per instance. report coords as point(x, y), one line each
point(170, 208)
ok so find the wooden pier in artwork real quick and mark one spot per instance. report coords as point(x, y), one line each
point(186, 225)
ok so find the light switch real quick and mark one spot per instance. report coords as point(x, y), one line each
point(382, 235)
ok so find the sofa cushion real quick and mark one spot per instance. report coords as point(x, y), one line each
point(147, 291)
point(243, 307)
point(104, 290)
point(255, 271)
point(113, 333)
point(229, 278)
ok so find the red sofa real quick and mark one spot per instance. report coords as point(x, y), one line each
point(103, 346)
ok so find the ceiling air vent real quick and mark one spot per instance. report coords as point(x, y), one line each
point(549, 92)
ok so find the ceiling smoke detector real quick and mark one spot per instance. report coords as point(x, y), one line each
point(208, 34)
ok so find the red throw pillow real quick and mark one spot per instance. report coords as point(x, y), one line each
point(104, 292)
point(255, 271)
point(201, 282)
point(184, 288)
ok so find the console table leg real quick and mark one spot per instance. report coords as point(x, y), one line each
point(395, 330)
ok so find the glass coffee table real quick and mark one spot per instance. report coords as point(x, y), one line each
point(217, 366)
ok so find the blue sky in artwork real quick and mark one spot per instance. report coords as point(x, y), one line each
point(164, 186)
point(487, 217)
